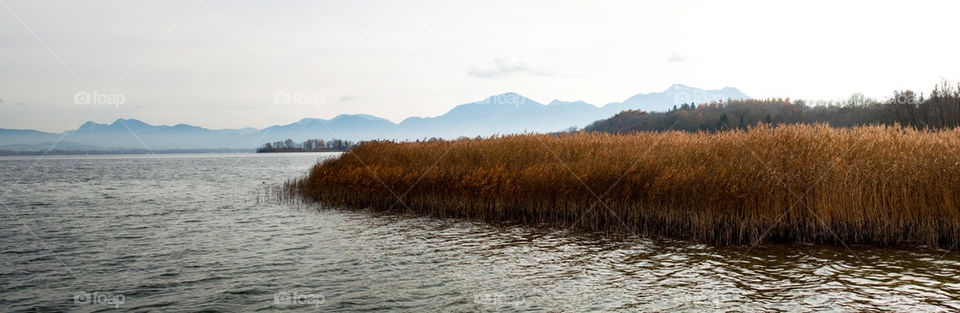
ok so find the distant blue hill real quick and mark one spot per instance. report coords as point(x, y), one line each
point(49, 145)
point(507, 113)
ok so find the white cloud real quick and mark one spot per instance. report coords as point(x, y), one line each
point(676, 58)
point(505, 66)
point(221, 64)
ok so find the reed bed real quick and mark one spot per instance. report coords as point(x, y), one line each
point(805, 183)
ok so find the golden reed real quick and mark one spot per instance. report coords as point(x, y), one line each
point(871, 184)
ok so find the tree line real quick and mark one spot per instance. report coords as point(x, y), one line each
point(308, 145)
point(939, 110)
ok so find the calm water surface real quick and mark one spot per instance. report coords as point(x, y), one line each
point(195, 233)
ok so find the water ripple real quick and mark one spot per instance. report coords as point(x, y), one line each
point(187, 233)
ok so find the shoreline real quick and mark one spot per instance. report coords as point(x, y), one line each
point(302, 150)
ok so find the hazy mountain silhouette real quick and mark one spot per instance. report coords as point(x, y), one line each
point(677, 94)
point(507, 113)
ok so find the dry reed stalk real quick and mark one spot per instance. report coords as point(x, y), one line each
point(809, 183)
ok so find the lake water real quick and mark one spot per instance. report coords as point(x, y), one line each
point(195, 233)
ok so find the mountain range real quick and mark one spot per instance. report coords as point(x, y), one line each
point(506, 113)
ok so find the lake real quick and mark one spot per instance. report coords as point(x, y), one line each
point(200, 233)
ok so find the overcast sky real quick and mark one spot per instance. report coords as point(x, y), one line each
point(233, 64)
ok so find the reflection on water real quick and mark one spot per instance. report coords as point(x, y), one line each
point(186, 233)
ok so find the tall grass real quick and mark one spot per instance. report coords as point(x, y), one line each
point(809, 183)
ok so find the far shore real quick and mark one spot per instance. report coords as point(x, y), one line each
point(145, 151)
point(127, 151)
point(303, 150)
